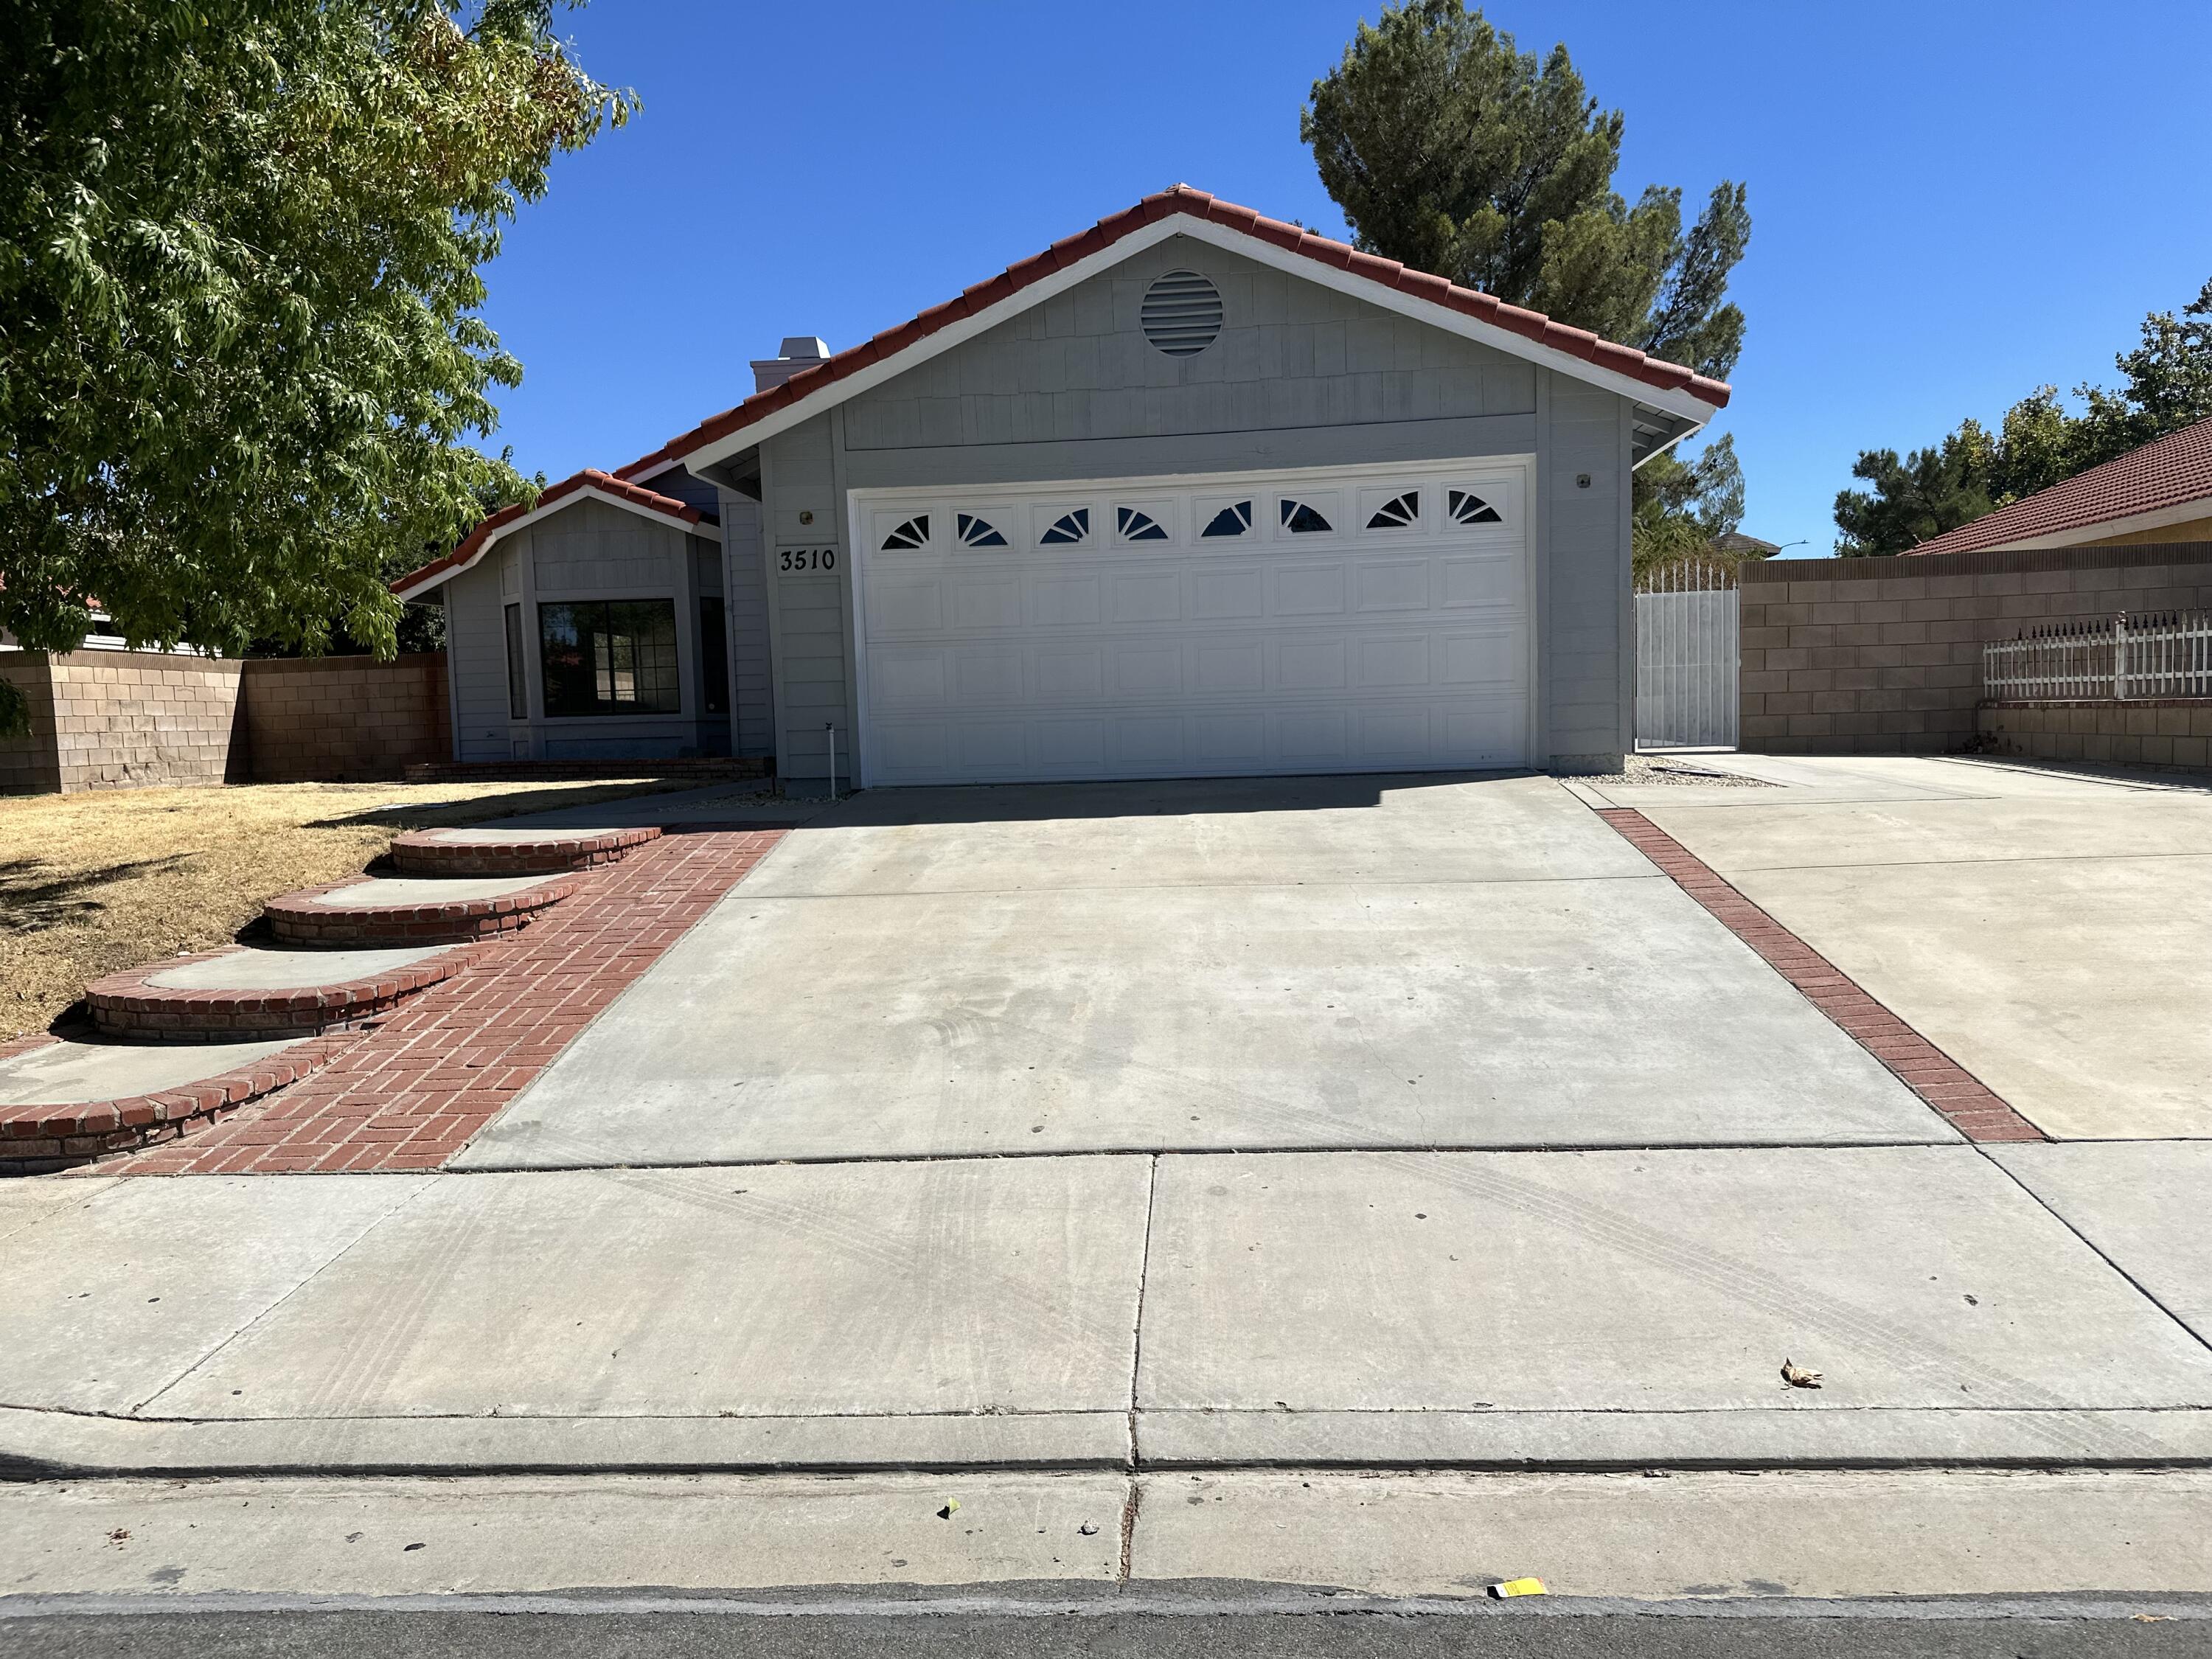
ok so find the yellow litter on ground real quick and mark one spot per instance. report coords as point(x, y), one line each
point(1517, 1587)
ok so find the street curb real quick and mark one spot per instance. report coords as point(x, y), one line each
point(45, 1445)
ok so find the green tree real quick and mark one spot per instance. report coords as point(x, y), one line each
point(1928, 492)
point(1452, 151)
point(2168, 386)
point(240, 353)
point(2167, 383)
point(1679, 507)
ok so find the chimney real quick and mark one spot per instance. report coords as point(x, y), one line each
point(797, 351)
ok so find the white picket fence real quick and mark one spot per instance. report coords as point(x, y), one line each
point(2166, 653)
point(1688, 660)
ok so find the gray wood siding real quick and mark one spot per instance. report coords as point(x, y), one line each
point(476, 634)
point(811, 614)
point(744, 587)
point(592, 548)
point(1583, 559)
point(1291, 355)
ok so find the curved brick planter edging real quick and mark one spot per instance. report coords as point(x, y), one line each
point(125, 1005)
point(35, 1139)
point(426, 853)
point(296, 919)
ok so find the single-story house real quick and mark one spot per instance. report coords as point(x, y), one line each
point(1194, 492)
point(2160, 492)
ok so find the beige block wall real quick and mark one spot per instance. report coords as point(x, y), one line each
point(130, 719)
point(345, 719)
point(27, 765)
point(2159, 732)
point(1883, 656)
point(118, 719)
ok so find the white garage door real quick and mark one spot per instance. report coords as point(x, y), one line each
point(1337, 621)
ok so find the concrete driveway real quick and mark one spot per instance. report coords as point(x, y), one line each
point(1254, 965)
point(2051, 931)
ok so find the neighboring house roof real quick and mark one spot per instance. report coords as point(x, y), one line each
point(2168, 481)
point(1673, 387)
point(1736, 541)
point(590, 485)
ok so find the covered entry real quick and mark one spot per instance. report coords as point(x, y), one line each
point(1321, 621)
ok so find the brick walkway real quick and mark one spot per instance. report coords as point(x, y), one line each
point(1972, 1109)
point(409, 1094)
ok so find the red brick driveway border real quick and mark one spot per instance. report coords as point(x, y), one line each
point(1962, 1098)
point(411, 1092)
point(298, 918)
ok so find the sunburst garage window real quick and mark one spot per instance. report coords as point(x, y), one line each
point(1397, 513)
point(1303, 521)
point(1467, 507)
point(1067, 529)
point(978, 532)
point(914, 533)
point(1137, 527)
point(1232, 520)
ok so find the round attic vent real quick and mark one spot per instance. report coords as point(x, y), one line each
point(1181, 313)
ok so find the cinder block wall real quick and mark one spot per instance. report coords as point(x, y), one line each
point(345, 719)
point(1883, 656)
point(116, 720)
point(129, 719)
point(28, 765)
point(2158, 732)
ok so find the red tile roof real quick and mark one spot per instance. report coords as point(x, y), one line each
point(1532, 325)
point(2173, 471)
point(591, 479)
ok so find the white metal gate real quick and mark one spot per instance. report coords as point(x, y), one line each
point(1688, 639)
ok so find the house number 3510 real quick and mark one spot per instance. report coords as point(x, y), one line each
point(806, 558)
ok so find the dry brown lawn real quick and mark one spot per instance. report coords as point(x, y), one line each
point(92, 883)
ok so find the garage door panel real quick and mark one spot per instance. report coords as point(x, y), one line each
point(989, 678)
point(985, 746)
point(1144, 596)
point(1393, 663)
point(1068, 673)
point(1232, 741)
point(912, 676)
point(1229, 667)
point(1396, 735)
point(1310, 591)
point(1396, 638)
point(988, 602)
point(1398, 585)
point(1318, 664)
point(1228, 595)
point(1318, 736)
point(1065, 602)
point(1068, 748)
point(1155, 741)
point(1491, 579)
point(1486, 658)
point(906, 606)
point(1148, 670)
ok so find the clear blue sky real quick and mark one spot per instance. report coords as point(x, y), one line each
point(1952, 202)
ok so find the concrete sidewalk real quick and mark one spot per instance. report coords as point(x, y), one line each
point(1412, 1310)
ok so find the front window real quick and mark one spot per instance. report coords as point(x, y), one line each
point(609, 657)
